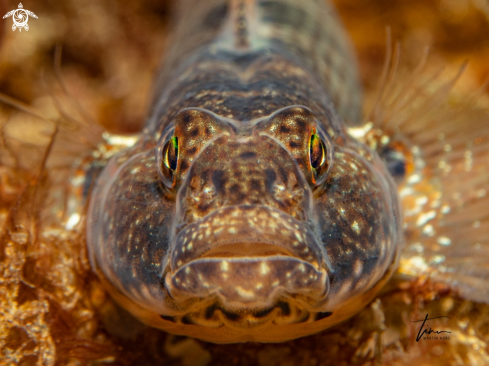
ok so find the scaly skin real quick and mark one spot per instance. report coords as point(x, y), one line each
point(249, 235)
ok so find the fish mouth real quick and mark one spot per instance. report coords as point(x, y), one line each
point(248, 257)
point(283, 312)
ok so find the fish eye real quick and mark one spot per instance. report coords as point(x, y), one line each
point(170, 152)
point(167, 156)
point(316, 152)
point(320, 156)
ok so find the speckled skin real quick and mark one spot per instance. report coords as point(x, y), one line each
point(247, 241)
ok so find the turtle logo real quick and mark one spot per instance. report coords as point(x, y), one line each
point(20, 17)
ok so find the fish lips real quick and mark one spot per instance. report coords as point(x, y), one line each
point(248, 254)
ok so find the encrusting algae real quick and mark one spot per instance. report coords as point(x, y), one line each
point(54, 310)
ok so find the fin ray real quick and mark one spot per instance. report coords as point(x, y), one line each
point(446, 198)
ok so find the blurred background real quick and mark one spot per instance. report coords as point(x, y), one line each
point(91, 60)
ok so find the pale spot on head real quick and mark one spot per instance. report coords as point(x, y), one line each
point(358, 268)
point(244, 293)
point(224, 266)
point(276, 215)
point(232, 230)
point(264, 268)
point(259, 286)
point(280, 187)
point(355, 227)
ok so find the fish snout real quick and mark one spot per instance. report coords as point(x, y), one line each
point(248, 257)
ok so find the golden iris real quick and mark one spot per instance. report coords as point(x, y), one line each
point(171, 153)
point(317, 154)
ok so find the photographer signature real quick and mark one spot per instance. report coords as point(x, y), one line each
point(428, 332)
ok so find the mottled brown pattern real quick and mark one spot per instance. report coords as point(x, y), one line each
point(243, 87)
point(218, 243)
point(309, 32)
point(293, 127)
point(251, 173)
point(194, 129)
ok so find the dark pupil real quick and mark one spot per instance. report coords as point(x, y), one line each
point(316, 147)
point(171, 154)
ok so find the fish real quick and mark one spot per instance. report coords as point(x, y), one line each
point(255, 205)
point(246, 210)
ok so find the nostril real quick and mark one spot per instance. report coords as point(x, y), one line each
point(194, 182)
point(292, 180)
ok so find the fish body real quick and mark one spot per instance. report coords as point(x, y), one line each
point(247, 210)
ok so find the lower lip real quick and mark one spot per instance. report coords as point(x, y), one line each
point(248, 281)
